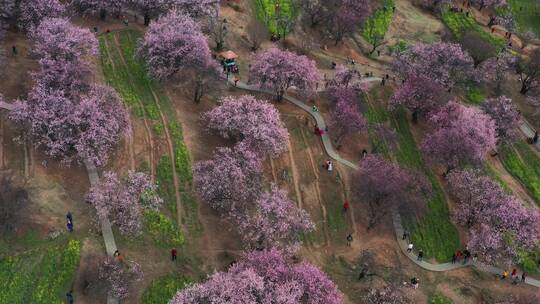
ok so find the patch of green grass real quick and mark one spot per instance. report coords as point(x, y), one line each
point(162, 290)
point(39, 276)
point(163, 230)
point(526, 14)
point(474, 94)
point(337, 219)
point(434, 233)
point(459, 24)
point(272, 11)
point(439, 299)
point(521, 166)
point(128, 74)
point(491, 172)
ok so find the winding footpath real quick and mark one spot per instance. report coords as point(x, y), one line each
point(396, 218)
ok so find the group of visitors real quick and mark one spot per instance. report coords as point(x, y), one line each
point(515, 277)
point(464, 256)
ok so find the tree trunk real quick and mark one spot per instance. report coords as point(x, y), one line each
point(415, 117)
point(219, 45)
point(199, 91)
point(373, 49)
point(524, 88)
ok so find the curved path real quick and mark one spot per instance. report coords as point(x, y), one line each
point(396, 218)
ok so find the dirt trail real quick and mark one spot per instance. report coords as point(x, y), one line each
point(148, 132)
point(295, 176)
point(317, 189)
point(170, 147)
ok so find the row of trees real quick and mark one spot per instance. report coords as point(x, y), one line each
point(71, 118)
point(231, 182)
point(500, 227)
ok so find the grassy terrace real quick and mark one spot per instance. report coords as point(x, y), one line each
point(524, 165)
point(128, 75)
point(526, 14)
point(270, 11)
point(459, 24)
point(433, 233)
point(39, 276)
point(163, 289)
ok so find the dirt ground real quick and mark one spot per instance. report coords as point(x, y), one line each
point(54, 190)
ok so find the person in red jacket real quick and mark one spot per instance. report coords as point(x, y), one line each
point(173, 254)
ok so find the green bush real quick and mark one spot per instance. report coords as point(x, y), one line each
point(526, 14)
point(163, 289)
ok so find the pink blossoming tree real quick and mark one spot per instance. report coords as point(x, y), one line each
point(274, 222)
point(500, 226)
point(124, 201)
point(86, 128)
point(505, 115)
point(488, 3)
point(58, 39)
point(460, 135)
point(264, 277)
point(175, 46)
point(445, 63)
point(383, 186)
point(346, 119)
point(279, 70)
point(118, 277)
point(419, 95)
point(386, 295)
point(32, 12)
point(256, 124)
point(343, 17)
point(98, 7)
point(230, 180)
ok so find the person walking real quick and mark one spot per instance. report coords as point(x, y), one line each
point(535, 137)
point(173, 254)
point(454, 258)
point(346, 206)
point(364, 153)
point(420, 255)
point(70, 226)
point(330, 166)
point(69, 297)
point(349, 239)
point(466, 256)
point(459, 254)
point(514, 273)
point(14, 50)
point(405, 235)
point(504, 275)
point(69, 216)
point(410, 247)
point(236, 81)
point(523, 277)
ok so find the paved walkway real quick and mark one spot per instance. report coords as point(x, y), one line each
point(6, 106)
point(327, 142)
point(528, 130)
point(106, 229)
point(396, 218)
